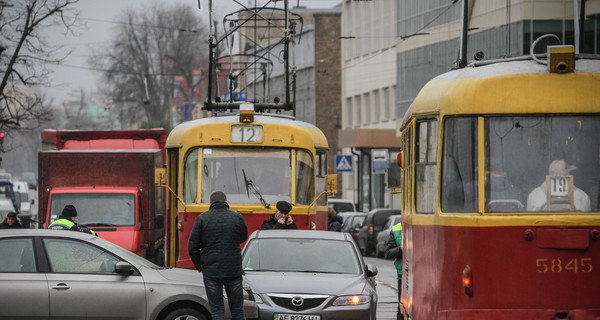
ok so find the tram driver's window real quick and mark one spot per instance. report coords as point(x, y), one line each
point(459, 174)
point(305, 181)
point(426, 166)
point(190, 177)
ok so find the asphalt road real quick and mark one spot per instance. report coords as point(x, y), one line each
point(386, 288)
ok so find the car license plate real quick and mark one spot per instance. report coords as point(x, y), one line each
point(287, 316)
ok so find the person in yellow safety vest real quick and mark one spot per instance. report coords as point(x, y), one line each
point(66, 221)
point(393, 249)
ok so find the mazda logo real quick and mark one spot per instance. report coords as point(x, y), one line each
point(297, 301)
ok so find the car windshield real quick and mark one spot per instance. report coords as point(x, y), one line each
point(125, 254)
point(534, 163)
point(301, 255)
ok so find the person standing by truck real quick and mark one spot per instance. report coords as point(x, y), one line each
point(11, 222)
point(66, 221)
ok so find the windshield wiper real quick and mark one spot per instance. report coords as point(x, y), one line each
point(250, 187)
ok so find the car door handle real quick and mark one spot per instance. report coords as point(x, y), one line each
point(61, 286)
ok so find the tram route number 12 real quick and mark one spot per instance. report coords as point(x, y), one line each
point(558, 265)
point(246, 133)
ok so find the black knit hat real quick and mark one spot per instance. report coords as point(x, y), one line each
point(69, 211)
point(11, 215)
point(284, 206)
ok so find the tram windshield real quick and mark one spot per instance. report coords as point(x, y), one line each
point(532, 164)
point(247, 175)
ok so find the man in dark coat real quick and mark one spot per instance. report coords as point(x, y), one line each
point(11, 222)
point(214, 247)
point(335, 221)
point(281, 219)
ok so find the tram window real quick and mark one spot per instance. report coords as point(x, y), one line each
point(321, 176)
point(247, 174)
point(459, 158)
point(530, 153)
point(305, 187)
point(190, 177)
point(426, 166)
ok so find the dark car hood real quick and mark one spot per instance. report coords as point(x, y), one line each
point(305, 282)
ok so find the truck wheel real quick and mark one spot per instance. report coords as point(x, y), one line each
point(185, 314)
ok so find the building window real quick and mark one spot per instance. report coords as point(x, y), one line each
point(357, 109)
point(385, 19)
point(376, 106)
point(348, 29)
point(386, 104)
point(366, 29)
point(376, 23)
point(357, 25)
point(367, 109)
point(348, 116)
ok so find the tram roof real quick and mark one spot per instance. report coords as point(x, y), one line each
point(511, 87)
point(259, 118)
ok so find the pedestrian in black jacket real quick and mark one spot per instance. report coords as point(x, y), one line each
point(281, 219)
point(214, 247)
point(11, 222)
point(335, 221)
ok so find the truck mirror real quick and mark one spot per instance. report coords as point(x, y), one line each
point(159, 221)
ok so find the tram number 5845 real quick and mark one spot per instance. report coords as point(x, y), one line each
point(558, 265)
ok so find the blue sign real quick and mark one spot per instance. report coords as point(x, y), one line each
point(237, 96)
point(343, 163)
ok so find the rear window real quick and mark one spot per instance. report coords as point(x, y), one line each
point(380, 217)
point(343, 207)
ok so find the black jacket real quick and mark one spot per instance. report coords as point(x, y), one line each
point(272, 223)
point(214, 244)
point(335, 223)
point(16, 225)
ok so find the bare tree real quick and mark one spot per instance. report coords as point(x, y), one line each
point(150, 48)
point(24, 54)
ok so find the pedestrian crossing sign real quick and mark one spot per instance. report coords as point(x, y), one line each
point(343, 163)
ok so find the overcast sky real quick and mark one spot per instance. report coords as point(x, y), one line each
point(101, 16)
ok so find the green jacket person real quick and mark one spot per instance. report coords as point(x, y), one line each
point(66, 221)
point(393, 249)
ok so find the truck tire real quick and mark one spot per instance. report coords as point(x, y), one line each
point(185, 314)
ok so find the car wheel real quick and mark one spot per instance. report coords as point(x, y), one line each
point(185, 314)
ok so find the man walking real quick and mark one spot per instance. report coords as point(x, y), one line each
point(214, 247)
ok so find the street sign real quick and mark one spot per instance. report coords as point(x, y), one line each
point(343, 163)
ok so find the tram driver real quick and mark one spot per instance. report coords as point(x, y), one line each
point(538, 197)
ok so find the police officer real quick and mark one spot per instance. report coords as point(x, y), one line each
point(66, 221)
point(393, 249)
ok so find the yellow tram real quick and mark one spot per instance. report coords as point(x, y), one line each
point(257, 160)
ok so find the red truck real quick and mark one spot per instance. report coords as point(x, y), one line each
point(113, 178)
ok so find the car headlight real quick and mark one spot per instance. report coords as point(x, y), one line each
point(352, 300)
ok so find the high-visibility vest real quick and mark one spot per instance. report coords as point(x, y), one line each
point(66, 224)
point(61, 224)
point(397, 232)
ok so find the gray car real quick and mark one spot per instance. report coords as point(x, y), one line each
point(309, 275)
point(52, 274)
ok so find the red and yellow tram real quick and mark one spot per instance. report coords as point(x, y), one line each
point(257, 160)
point(500, 199)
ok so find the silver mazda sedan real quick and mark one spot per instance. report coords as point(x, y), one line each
point(52, 274)
point(309, 275)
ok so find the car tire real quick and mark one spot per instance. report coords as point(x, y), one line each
point(185, 314)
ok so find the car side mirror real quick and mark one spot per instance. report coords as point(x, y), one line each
point(371, 270)
point(123, 268)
